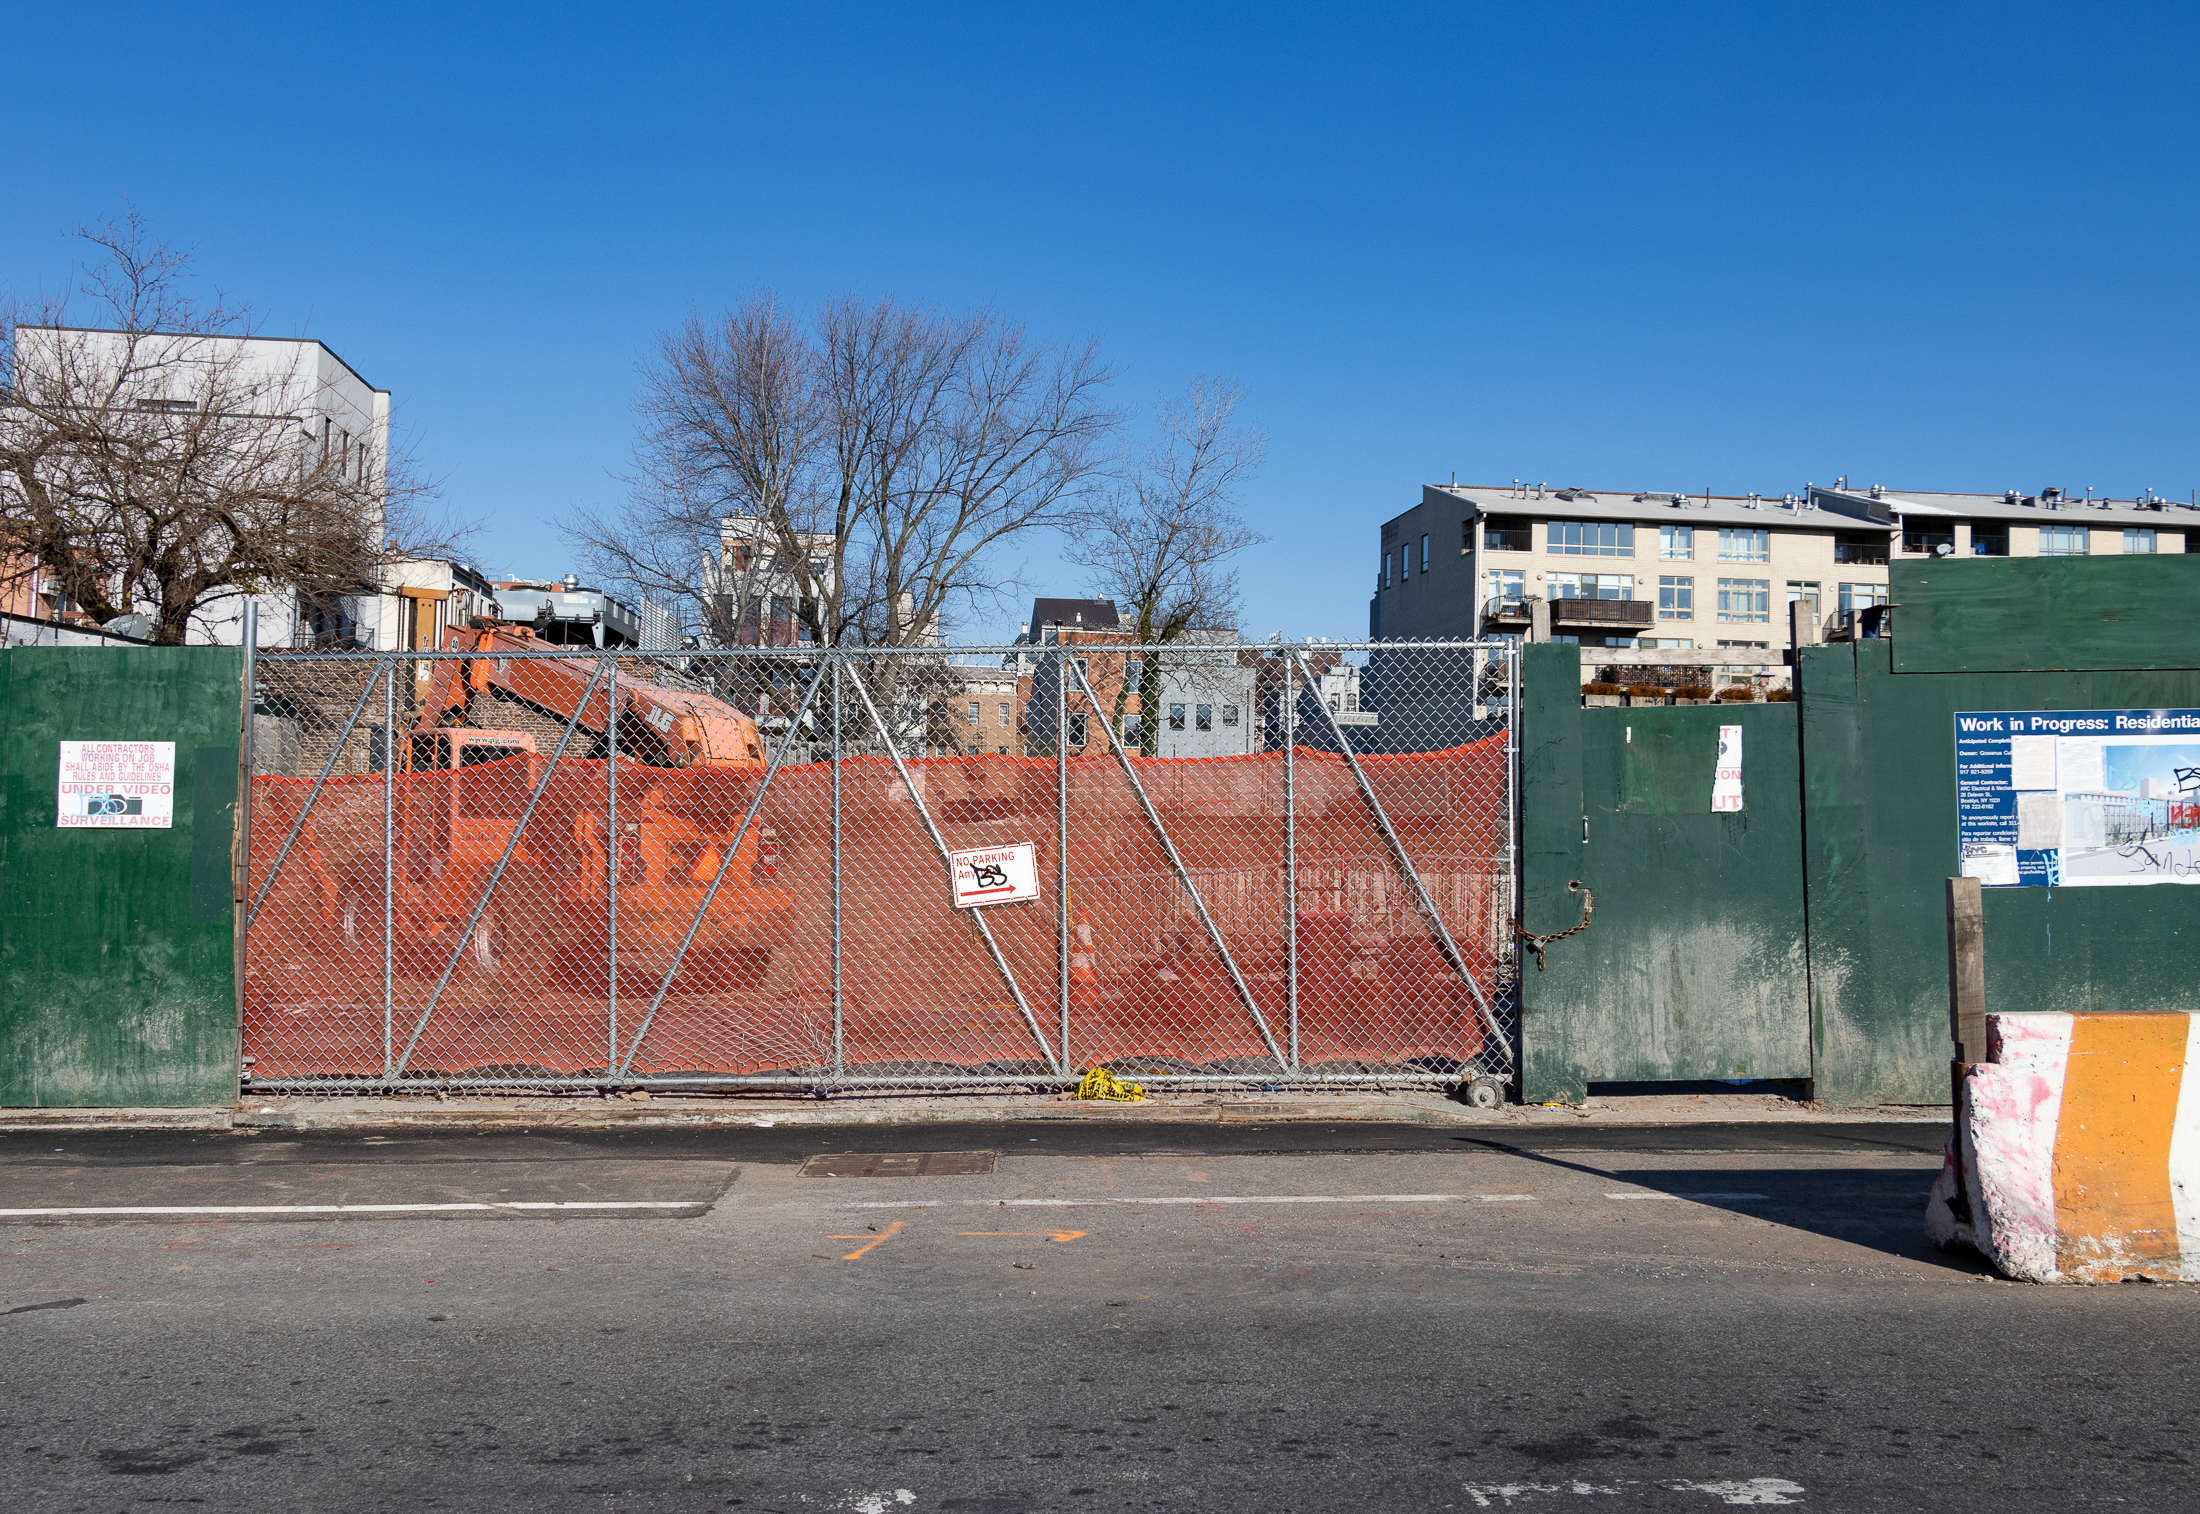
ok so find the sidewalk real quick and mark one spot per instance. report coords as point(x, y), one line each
point(1403, 1107)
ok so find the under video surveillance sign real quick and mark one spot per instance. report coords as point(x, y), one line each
point(117, 785)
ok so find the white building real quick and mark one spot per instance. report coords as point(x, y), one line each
point(275, 388)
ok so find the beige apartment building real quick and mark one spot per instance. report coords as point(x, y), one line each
point(1705, 573)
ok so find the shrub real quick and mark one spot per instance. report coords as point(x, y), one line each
point(1738, 694)
point(1645, 691)
point(1602, 688)
point(1780, 696)
point(1693, 691)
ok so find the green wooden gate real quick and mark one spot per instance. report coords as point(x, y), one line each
point(117, 947)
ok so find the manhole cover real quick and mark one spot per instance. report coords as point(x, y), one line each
point(900, 1164)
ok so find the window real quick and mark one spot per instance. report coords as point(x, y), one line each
point(1507, 586)
point(1677, 543)
point(1591, 586)
point(1508, 533)
point(1382, 575)
point(1004, 713)
point(1130, 730)
point(1204, 717)
point(1336, 705)
point(1744, 544)
point(1806, 593)
point(1867, 550)
point(1929, 537)
point(1676, 599)
point(1229, 714)
point(1989, 538)
point(1405, 563)
point(1590, 538)
point(2138, 538)
point(1176, 717)
point(1076, 727)
point(1742, 599)
point(1861, 596)
point(1134, 670)
point(2065, 541)
point(1424, 551)
point(976, 709)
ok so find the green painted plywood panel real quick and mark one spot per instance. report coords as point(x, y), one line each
point(1695, 964)
point(117, 965)
point(1880, 822)
point(2020, 614)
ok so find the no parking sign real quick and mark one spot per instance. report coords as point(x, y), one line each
point(995, 874)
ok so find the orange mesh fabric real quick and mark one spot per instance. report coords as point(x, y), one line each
point(527, 990)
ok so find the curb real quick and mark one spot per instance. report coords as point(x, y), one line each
point(424, 1113)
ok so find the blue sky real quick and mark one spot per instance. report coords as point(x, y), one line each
point(1625, 246)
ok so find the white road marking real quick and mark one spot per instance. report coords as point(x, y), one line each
point(1697, 1197)
point(1753, 1490)
point(1279, 1198)
point(354, 1208)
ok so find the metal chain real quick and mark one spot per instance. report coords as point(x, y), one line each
point(1536, 943)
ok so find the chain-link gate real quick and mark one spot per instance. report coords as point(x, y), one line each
point(512, 867)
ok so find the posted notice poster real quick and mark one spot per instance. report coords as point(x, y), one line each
point(995, 874)
point(117, 785)
point(2079, 798)
point(1726, 773)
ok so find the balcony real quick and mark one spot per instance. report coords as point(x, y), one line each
point(1604, 612)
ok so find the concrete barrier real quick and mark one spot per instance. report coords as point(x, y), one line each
point(2076, 1152)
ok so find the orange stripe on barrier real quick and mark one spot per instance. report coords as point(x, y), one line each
point(2115, 1213)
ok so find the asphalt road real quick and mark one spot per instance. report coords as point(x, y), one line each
point(1355, 1317)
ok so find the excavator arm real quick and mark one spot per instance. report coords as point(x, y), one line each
point(665, 727)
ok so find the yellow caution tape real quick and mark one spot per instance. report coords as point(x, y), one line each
point(1102, 1084)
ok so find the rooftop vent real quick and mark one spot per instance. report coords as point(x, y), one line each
point(1653, 498)
point(1576, 493)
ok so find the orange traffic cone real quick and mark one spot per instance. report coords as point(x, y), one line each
point(1080, 956)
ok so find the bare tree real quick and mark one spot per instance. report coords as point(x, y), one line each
point(165, 465)
point(853, 475)
point(1159, 541)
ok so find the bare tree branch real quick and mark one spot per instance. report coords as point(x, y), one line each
point(166, 465)
point(1159, 541)
point(852, 475)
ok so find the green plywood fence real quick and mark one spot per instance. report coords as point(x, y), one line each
point(2023, 614)
point(117, 947)
point(1694, 965)
point(1879, 798)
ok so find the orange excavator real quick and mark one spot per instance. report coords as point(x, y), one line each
point(689, 764)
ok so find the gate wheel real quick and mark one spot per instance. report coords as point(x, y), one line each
point(1484, 1093)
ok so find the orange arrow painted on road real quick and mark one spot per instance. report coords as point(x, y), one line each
point(1052, 1235)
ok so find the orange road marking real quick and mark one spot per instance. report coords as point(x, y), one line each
point(1052, 1235)
point(887, 1234)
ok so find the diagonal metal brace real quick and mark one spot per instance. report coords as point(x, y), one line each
point(1421, 900)
point(725, 866)
point(977, 916)
point(488, 891)
point(1183, 876)
point(328, 767)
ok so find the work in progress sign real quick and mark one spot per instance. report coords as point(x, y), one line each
point(995, 874)
point(117, 785)
point(2078, 798)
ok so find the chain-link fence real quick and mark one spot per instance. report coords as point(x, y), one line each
point(539, 869)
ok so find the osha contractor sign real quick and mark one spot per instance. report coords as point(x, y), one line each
point(117, 785)
point(995, 874)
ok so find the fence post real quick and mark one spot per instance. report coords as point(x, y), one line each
point(1291, 854)
point(840, 1063)
point(389, 869)
point(611, 874)
point(1061, 845)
